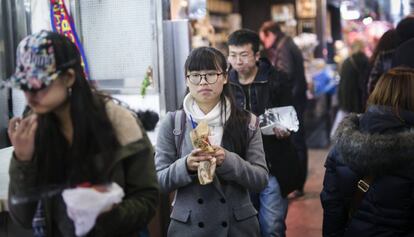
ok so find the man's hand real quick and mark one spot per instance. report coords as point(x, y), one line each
point(281, 133)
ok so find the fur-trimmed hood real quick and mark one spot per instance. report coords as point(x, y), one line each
point(124, 123)
point(373, 152)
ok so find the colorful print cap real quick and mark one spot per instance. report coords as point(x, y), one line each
point(35, 62)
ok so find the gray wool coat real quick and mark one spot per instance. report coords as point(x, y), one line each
point(222, 208)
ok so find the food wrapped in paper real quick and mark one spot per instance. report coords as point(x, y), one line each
point(85, 204)
point(199, 138)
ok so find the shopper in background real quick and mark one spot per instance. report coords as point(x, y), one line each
point(386, 49)
point(223, 207)
point(368, 185)
point(381, 58)
point(286, 56)
point(72, 135)
point(257, 86)
point(352, 88)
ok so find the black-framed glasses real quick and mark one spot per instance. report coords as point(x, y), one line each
point(210, 77)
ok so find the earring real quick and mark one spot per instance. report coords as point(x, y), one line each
point(70, 91)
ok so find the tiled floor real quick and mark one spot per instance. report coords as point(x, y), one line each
point(305, 213)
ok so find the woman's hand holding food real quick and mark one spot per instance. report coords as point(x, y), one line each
point(197, 155)
point(219, 154)
point(22, 136)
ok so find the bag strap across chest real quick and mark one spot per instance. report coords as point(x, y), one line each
point(179, 118)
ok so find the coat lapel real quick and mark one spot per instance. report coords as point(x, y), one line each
point(217, 185)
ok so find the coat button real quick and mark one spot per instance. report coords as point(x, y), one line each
point(222, 200)
point(200, 201)
point(201, 224)
point(224, 224)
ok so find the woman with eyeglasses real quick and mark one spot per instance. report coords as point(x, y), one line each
point(223, 207)
point(72, 135)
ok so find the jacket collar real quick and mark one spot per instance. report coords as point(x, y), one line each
point(382, 119)
point(279, 38)
point(373, 153)
point(128, 131)
point(124, 122)
point(262, 75)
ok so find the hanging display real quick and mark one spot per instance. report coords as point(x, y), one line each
point(63, 23)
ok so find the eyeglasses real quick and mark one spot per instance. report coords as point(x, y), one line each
point(210, 77)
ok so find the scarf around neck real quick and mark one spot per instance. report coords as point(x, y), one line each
point(213, 118)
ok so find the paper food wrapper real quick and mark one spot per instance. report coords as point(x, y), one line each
point(199, 138)
point(279, 117)
point(85, 204)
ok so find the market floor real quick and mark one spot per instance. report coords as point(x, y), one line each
point(305, 213)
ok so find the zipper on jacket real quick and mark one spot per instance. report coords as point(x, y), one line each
point(244, 95)
point(250, 98)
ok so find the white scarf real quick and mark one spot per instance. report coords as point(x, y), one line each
point(212, 118)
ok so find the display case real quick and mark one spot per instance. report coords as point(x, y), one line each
point(284, 14)
point(223, 22)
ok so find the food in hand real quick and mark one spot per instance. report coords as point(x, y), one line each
point(199, 139)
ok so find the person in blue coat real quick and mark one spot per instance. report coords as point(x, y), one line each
point(374, 153)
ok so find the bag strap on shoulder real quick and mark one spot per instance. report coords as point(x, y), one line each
point(179, 119)
point(363, 186)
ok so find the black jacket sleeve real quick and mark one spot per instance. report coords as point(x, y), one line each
point(335, 215)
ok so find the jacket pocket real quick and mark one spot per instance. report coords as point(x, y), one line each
point(179, 214)
point(244, 212)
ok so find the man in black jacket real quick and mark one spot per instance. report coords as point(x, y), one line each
point(257, 86)
point(286, 56)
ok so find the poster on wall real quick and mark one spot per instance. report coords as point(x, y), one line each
point(306, 8)
point(62, 23)
point(282, 12)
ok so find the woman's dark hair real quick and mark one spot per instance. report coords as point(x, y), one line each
point(388, 41)
point(94, 140)
point(235, 129)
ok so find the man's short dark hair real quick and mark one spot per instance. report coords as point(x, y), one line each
point(243, 37)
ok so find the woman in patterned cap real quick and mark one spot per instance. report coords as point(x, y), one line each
point(72, 135)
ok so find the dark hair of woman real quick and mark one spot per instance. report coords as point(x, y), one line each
point(94, 139)
point(395, 89)
point(205, 58)
point(389, 40)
